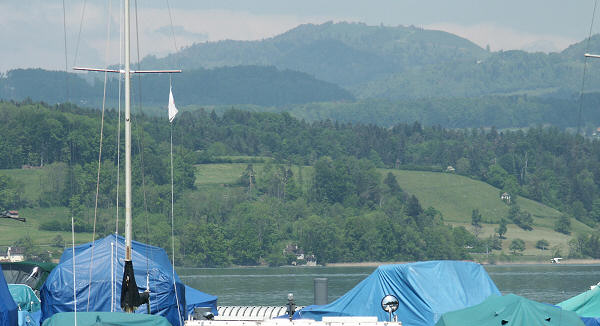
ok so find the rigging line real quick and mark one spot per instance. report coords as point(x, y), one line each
point(74, 287)
point(99, 152)
point(121, 32)
point(79, 34)
point(172, 28)
point(585, 61)
point(137, 37)
point(66, 54)
point(173, 224)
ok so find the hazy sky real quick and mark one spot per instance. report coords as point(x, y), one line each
point(31, 31)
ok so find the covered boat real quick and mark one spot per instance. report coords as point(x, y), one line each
point(195, 298)
point(510, 310)
point(8, 307)
point(166, 299)
point(586, 304)
point(32, 274)
point(105, 318)
point(24, 297)
point(425, 290)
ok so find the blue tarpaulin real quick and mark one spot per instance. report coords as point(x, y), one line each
point(591, 321)
point(57, 291)
point(195, 298)
point(425, 291)
point(8, 307)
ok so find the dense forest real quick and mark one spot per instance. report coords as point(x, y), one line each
point(516, 111)
point(339, 209)
point(265, 89)
point(266, 86)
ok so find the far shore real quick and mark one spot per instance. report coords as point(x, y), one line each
point(529, 262)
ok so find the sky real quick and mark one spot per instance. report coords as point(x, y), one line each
point(32, 33)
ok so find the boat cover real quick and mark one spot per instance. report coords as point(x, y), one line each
point(105, 318)
point(57, 291)
point(590, 321)
point(586, 304)
point(8, 308)
point(30, 273)
point(509, 310)
point(24, 297)
point(425, 291)
point(195, 298)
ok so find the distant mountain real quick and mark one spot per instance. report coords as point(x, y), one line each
point(400, 62)
point(348, 54)
point(220, 86)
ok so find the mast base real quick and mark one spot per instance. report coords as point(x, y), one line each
point(131, 299)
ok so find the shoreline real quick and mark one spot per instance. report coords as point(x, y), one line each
point(498, 263)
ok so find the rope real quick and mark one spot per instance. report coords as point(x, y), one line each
point(587, 46)
point(172, 222)
point(172, 179)
point(137, 35)
point(172, 30)
point(66, 55)
point(79, 34)
point(74, 287)
point(99, 154)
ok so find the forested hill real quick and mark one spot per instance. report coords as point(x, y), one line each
point(515, 111)
point(342, 208)
point(348, 54)
point(219, 86)
point(400, 62)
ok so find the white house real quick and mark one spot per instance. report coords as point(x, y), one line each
point(13, 255)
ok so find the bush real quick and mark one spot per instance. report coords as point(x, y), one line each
point(563, 225)
point(542, 244)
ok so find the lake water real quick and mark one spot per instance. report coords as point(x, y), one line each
point(270, 286)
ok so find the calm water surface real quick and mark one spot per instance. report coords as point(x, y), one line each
point(270, 286)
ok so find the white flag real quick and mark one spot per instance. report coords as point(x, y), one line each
point(172, 109)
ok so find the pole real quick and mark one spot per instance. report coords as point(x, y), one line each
point(127, 137)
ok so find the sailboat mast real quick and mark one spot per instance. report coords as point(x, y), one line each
point(127, 136)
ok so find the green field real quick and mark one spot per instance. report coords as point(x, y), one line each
point(31, 180)
point(11, 230)
point(453, 195)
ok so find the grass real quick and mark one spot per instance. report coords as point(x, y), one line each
point(457, 196)
point(555, 239)
point(12, 230)
point(453, 195)
point(31, 180)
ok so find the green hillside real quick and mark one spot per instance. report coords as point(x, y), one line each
point(453, 195)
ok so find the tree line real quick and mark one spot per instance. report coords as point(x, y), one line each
point(341, 209)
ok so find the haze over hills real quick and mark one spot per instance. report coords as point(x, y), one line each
point(351, 72)
point(399, 62)
point(219, 86)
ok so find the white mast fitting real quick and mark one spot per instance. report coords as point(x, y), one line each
point(130, 297)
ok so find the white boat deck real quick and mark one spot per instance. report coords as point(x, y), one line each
point(327, 321)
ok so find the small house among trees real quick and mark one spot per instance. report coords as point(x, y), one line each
point(13, 254)
point(450, 169)
point(505, 197)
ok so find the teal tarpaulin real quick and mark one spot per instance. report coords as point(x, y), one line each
point(24, 297)
point(586, 304)
point(510, 310)
point(105, 318)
